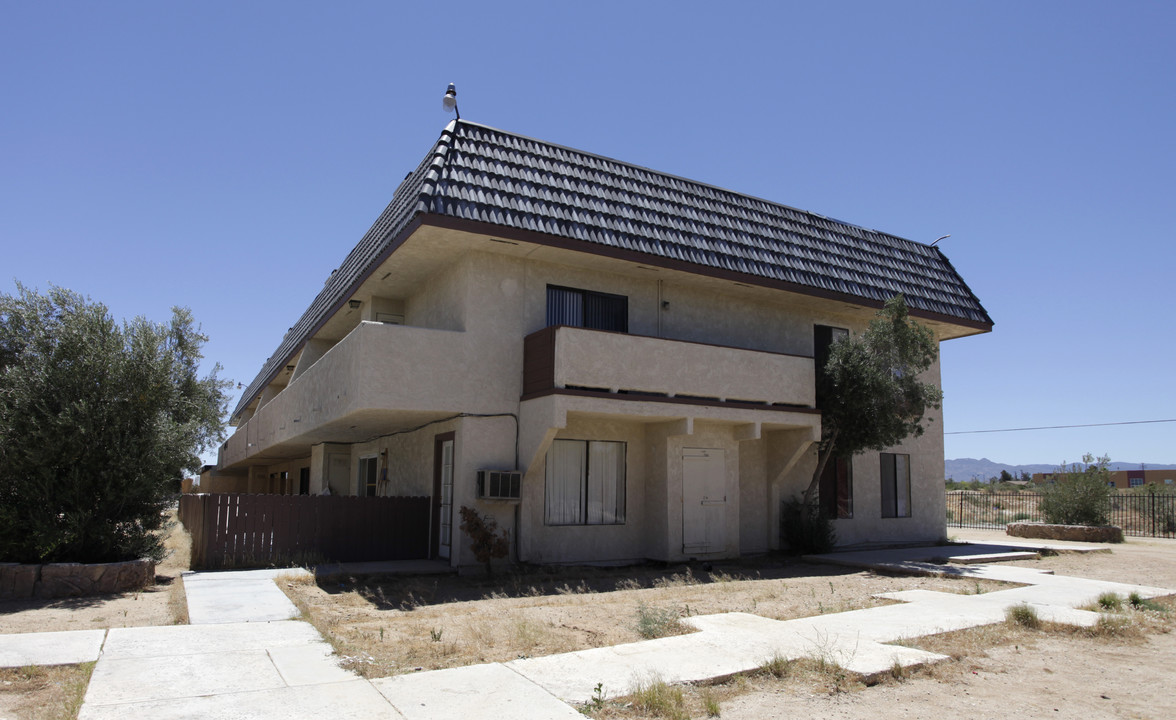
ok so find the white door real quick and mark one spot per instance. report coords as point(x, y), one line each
point(445, 526)
point(704, 500)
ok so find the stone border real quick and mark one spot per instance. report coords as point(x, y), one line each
point(57, 580)
point(1080, 533)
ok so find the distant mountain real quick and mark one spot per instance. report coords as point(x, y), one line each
point(962, 469)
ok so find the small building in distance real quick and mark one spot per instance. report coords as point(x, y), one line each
point(1121, 479)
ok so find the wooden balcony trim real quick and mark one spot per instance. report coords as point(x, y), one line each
point(637, 397)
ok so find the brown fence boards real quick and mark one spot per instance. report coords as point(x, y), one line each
point(238, 530)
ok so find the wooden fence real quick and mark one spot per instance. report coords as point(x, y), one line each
point(236, 530)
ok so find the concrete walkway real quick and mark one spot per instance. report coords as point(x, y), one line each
point(244, 658)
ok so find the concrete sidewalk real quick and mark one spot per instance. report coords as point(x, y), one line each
point(239, 596)
point(238, 660)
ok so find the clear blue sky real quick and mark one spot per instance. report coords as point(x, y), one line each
point(226, 156)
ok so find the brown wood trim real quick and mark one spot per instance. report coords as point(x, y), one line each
point(631, 397)
point(537, 238)
point(435, 503)
point(539, 360)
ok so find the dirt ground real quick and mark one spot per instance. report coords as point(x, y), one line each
point(389, 626)
point(56, 692)
point(1003, 673)
point(394, 625)
point(384, 627)
point(161, 604)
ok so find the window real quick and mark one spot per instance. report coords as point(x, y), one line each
point(896, 485)
point(585, 483)
point(1134, 482)
point(367, 476)
point(823, 338)
point(836, 489)
point(587, 309)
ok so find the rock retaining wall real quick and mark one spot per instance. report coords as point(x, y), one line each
point(74, 579)
point(1081, 533)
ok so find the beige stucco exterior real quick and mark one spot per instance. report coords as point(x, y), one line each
point(706, 364)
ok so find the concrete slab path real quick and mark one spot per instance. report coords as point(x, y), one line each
point(239, 596)
point(67, 647)
point(243, 658)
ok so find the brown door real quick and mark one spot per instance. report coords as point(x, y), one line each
point(442, 495)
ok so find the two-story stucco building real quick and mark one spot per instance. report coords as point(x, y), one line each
point(638, 346)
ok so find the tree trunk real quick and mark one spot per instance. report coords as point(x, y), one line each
point(823, 456)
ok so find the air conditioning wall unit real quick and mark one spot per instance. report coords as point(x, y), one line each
point(500, 484)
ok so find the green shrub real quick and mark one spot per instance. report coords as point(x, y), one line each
point(1024, 615)
point(658, 699)
point(99, 421)
point(1081, 495)
point(1110, 601)
point(805, 528)
point(655, 622)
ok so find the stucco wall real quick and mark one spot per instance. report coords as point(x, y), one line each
point(461, 351)
point(542, 543)
point(706, 435)
point(754, 515)
point(928, 521)
point(705, 315)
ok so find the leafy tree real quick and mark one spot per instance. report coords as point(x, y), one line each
point(871, 395)
point(98, 423)
point(1005, 477)
point(1080, 494)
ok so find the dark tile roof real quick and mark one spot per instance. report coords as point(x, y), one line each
point(480, 174)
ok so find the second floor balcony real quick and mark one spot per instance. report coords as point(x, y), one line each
point(571, 359)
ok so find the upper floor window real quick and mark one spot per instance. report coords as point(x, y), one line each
point(587, 309)
point(823, 338)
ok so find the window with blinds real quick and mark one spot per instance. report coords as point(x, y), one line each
point(587, 309)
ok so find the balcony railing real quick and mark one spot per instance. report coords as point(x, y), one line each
point(565, 359)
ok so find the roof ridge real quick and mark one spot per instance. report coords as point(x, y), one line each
point(691, 181)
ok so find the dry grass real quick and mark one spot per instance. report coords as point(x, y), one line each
point(966, 649)
point(44, 693)
point(390, 625)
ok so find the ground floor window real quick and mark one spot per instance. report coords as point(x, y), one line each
point(896, 485)
point(585, 483)
point(836, 489)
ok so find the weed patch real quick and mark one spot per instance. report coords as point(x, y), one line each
point(658, 699)
point(1023, 615)
point(655, 622)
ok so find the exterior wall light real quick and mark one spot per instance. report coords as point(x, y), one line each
point(449, 102)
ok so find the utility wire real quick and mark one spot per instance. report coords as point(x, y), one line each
point(1059, 427)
